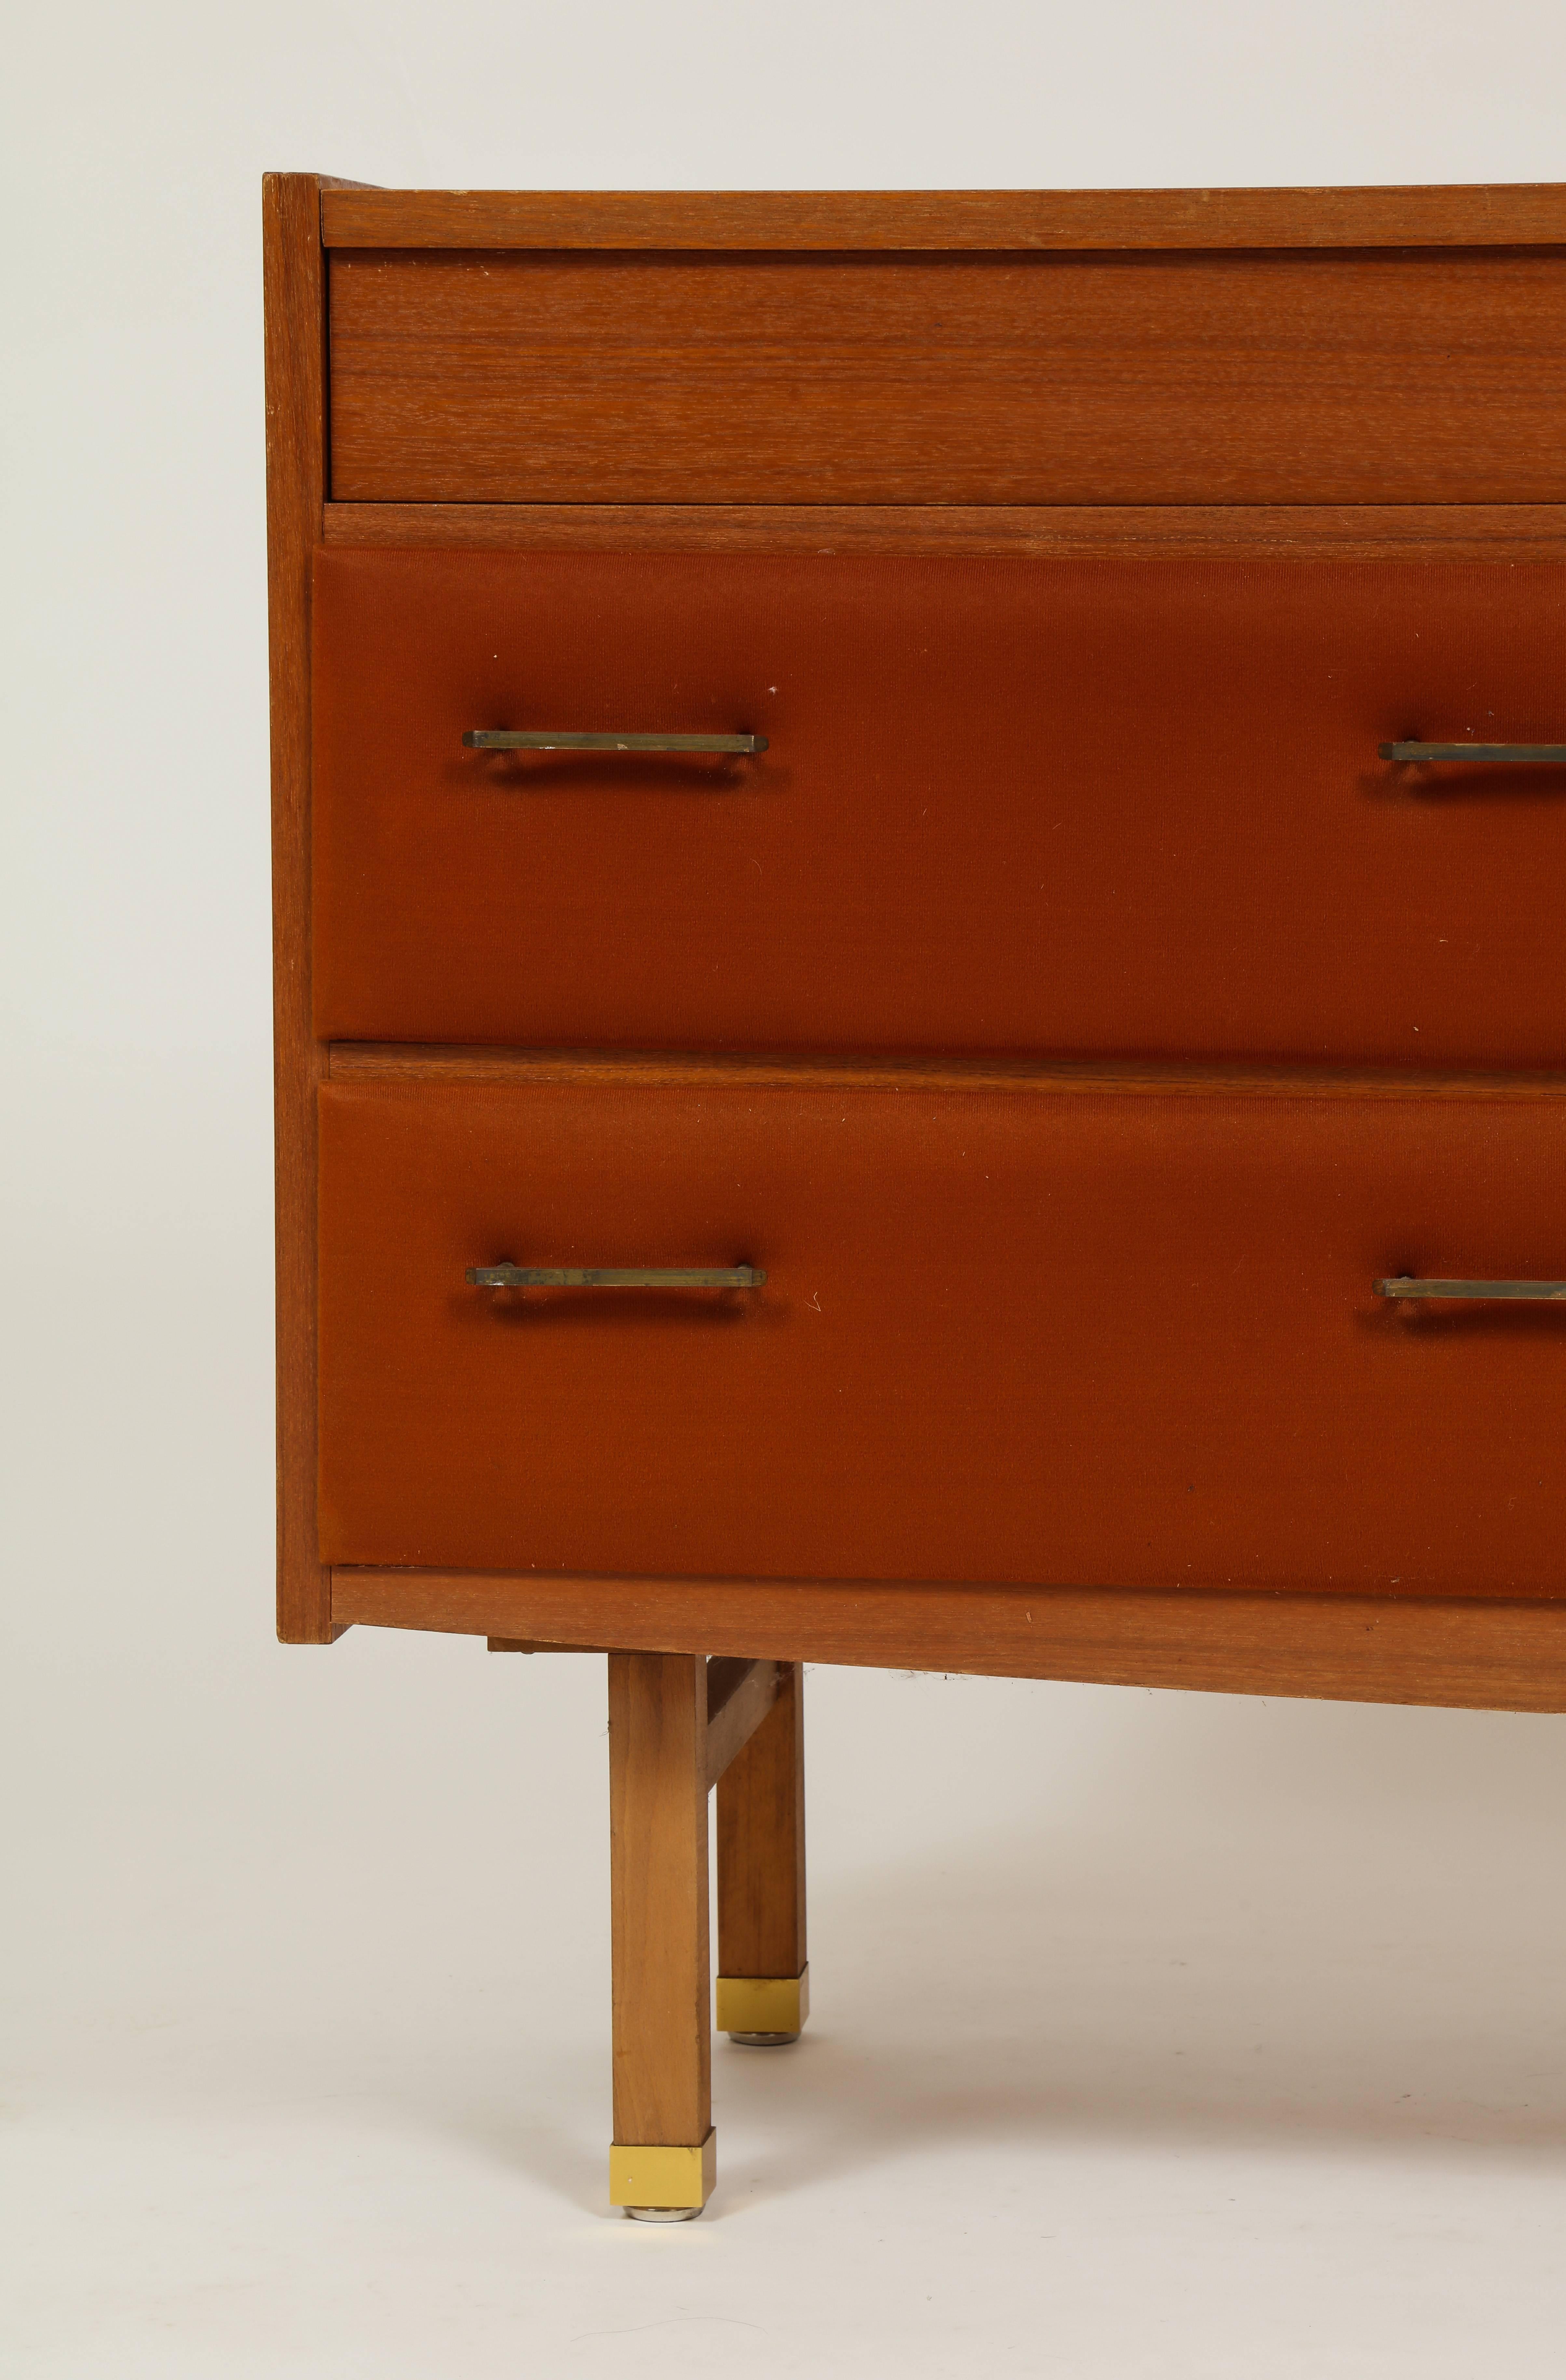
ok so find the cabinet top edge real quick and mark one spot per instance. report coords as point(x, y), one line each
point(1504, 214)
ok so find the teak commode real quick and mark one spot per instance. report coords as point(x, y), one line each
point(920, 994)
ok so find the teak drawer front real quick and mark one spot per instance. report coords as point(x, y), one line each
point(1098, 1337)
point(1366, 377)
point(1065, 805)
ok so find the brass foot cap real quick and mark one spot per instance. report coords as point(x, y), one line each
point(663, 2184)
point(763, 2011)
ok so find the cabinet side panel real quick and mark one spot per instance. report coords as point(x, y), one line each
point(295, 275)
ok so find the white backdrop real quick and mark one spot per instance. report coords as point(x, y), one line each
point(1154, 2034)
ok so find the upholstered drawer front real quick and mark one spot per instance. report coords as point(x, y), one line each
point(1104, 1335)
point(1075, 806)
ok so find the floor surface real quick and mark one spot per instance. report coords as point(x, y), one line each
point(1151, 2036)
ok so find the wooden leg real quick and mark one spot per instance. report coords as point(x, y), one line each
point(661, 2164)
point(763, 1982)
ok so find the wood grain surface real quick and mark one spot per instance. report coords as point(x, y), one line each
point(366, 1061)
point(663, 1989)
point(1295, 532)
point(739, 1695)
point(1418, 215)
point(1471, 1654)
point(760, 1836)
point(294, 285)
point(1410, 377)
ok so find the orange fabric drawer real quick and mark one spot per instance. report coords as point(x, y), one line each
point(1113, 1337)
point(1006, 804)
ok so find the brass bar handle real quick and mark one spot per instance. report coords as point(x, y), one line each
point(1541, 1292)
point(551, 739)
point(1497, 755)
point(510, 1276)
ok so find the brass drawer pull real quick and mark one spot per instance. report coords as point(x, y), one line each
point(1541, 1291)
point(1496, 754)
point(510, 1276)
point(550, 739)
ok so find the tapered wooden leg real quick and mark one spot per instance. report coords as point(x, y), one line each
point(763, 1982)
point(661, 2163)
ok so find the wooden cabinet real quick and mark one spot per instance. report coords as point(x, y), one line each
point(919, 1008)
